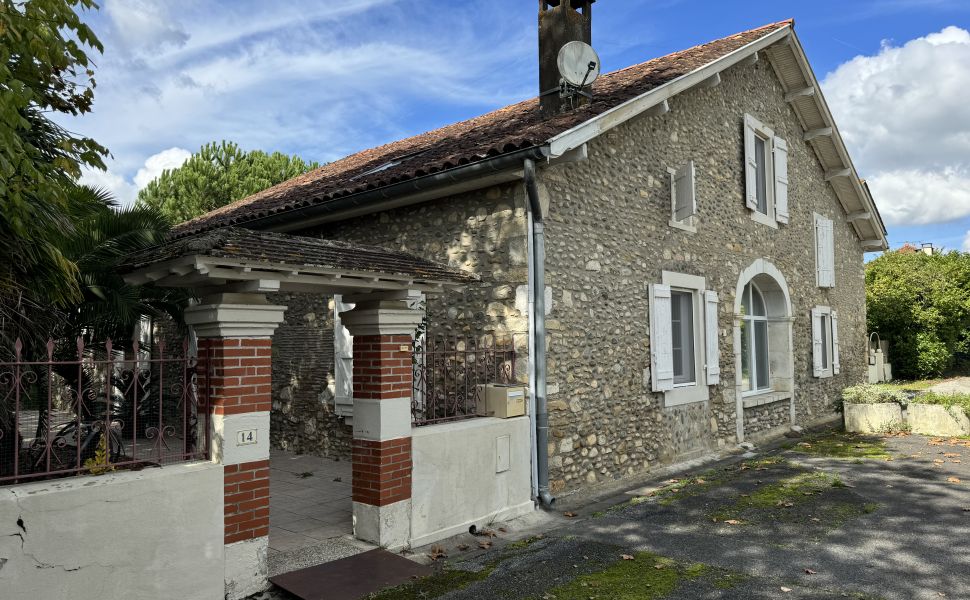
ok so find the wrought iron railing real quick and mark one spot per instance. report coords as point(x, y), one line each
point(102, 409)
point(448, 371)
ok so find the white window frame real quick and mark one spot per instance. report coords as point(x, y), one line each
point(824, 251)
point(696, 391)
point(776, 173)
point(825, 342)
point(690, 223)
point(751, 345)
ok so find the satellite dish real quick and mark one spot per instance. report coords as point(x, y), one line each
point(579, 65)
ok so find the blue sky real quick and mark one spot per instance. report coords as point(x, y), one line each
point(323, 79)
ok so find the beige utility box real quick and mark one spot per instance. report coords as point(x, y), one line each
point(501, 400)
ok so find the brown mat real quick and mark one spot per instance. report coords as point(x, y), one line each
point(351, 578)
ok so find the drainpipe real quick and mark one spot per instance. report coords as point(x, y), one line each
point(539, 341)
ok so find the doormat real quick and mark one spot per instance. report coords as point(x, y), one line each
point(351, 578)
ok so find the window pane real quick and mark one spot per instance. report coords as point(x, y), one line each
point(761, 353)
point(682, 317)
point(826, 333)
point(757, 302)
point(762, 174)
point(745, 355)
point(746, 300)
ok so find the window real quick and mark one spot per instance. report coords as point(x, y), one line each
point(766, 173)
point(825, 342)
point(824, 252)
point(682, 326)
point(684, 352)
point(683, 200)
point(755, 370)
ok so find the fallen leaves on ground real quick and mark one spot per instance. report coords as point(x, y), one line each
point(626, 557)
point(569, 514)
point(810, 572)
point(462, 547)
point(733, 522)
point(785, 589)
point(485, 544)
point(953, 479)
point(437, 552)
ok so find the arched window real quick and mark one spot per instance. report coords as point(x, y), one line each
point(755, 366)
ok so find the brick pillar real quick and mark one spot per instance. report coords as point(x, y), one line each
point(235, 365)
point(382, 333)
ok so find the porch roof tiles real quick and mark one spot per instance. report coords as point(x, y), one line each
point(516, 127)
point(261, 249)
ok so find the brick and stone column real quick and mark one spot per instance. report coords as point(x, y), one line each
point(235, 366)
point(383, 331)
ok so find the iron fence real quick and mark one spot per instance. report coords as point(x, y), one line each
point(102, 409)
point(448, 371)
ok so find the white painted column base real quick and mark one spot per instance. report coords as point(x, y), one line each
point(387, 526)
point(246, 568)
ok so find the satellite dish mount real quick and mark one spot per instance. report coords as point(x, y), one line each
point(579, 67)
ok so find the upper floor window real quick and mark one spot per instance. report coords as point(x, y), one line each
point(824, 252)
point(683, 198)
point(766, 173)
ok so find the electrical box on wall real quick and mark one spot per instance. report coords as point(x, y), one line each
point(501, 400)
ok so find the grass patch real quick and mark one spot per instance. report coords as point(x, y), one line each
point(433, 586)
point(908, 386)
point(844, 445)
point(645, 577)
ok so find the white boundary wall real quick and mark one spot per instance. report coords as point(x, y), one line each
point(468, 472)
point(137, 535)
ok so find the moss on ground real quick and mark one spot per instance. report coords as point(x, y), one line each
point(432, 586)
point(844, 445)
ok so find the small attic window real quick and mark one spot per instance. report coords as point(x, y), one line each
point(389, 164)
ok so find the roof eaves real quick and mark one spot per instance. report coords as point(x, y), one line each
point(607, 120)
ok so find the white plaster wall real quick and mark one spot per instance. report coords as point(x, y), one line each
point(138, 535)
point(454, 479)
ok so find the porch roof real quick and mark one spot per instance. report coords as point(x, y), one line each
point(241, 260)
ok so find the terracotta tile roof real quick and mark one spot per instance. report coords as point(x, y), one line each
point(255, 248)
point(514, 127)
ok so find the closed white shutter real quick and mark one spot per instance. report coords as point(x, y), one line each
point(685, 202)
point(780, 153)
point(712, 338)
point(661, 339)
point(750, 163)
point(817, 341)
point(824, 252)
point(835, 342)
point(343, 362)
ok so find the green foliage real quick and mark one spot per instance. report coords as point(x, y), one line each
point(921, 305)
point(215, 176)
point(960, 400)
point(873, 394)
point(44, 68)
point(99, 464)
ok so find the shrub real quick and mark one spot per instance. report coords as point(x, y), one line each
point(871, 394)
point(947, 400)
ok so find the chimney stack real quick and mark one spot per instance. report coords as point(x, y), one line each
point(560, 22)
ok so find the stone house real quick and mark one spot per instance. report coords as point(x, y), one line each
point(675, 253)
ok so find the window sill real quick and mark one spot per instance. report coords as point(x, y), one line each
point(762, 398)
point(764, 219)
point(684, 226)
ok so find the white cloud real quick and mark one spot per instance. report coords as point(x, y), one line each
point(166, 159)
point(145, 24)
point(905, 116)
point(126, 192)
point(921, 197)
point(966, 242)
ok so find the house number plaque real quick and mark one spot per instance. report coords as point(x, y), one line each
point(245, 437)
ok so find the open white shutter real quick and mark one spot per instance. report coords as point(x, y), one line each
point(661, 339)
point(780, 153)
point(712, 338)
point(685, 202)
point(750, 163)
point(343, 362)
point(829, 253)
point(824, 252)
point(817, 341)
point(835, 342)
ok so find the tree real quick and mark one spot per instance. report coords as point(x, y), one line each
point(44, 68)
point(215, 176)
point(921, 305)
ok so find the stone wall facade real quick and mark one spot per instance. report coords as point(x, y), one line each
point(608, 239)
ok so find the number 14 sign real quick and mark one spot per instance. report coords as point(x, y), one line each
point(245, 437)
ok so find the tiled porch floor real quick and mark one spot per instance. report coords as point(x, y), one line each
point(309, 501)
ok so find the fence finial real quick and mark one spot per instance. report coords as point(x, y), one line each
point(50, 349)
point(17, 347)
point(80, 347)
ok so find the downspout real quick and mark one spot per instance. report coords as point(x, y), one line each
point(539, 340)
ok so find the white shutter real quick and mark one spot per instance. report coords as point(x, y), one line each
point(817, 341)
point(685, 202)
point(829, 253)
point(835, 343)
point(780, 153)
point(661, 339)
point(343, 362)
point(750, 163)
point(712, 338)
point(824, 252)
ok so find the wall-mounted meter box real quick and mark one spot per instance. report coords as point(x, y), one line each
point(501, 400)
